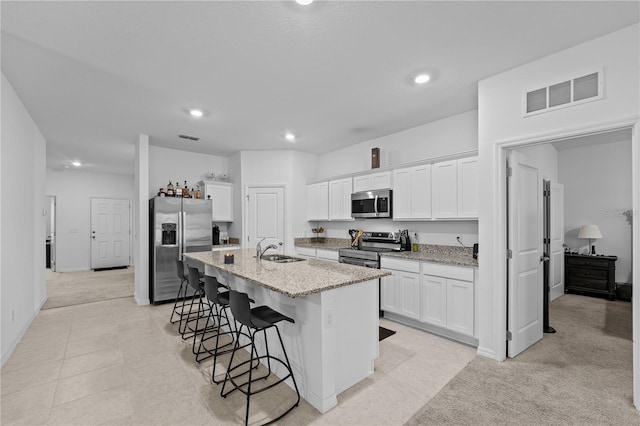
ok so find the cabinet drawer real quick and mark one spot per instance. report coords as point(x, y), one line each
point(327, 254)
point(306, 251)
point(588, 283)
point(399, 264)
point(589, 273)
point(591, 262)
point(454, 272)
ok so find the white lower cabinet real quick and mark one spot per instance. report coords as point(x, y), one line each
point(327, 254)
point(306, 252)
point(401, 289)
point(434, 300)
point(447, 298)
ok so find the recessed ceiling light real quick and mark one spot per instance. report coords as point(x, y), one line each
point(196, 112)
point(421, 78)
point(76, 163)
point(290, 137)
point(304, 2)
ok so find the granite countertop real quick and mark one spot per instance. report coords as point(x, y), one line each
point(447, 255)
point(323, 243)
point(295, 279)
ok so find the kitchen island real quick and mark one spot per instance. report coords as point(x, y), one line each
point(334, 341)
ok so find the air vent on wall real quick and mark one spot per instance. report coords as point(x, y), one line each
point(191, 138)
point(586, 88)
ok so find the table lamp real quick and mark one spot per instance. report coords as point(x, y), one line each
point(590, 232)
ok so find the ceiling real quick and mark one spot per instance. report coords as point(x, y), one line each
point(95, 75)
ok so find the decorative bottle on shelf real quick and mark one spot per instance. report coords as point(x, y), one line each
point(170, 192)
point(185, 190)
point(192, 194)
point(178, 190)
point(198, 193)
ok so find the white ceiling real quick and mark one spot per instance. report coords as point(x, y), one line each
point(94, 75)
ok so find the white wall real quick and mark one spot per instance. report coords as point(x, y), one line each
point(73, 190)
point(451, 135)
point(597, 188)
point(291, 169)
point(173, 165)
point(22, 222)
point(500, 121)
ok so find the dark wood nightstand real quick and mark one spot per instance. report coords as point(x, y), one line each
point(594, 274)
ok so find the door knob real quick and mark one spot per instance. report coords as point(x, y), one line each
point(544, 258)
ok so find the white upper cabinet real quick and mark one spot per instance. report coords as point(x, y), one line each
point(454, 187)
point(340, 199)
point(221, 195)
point(318, 201)
point(372, 181)
point(445, 189)
point(468, 187)
point(412, 193)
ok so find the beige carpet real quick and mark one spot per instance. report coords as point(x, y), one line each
point(582, 375)
point(74, 288)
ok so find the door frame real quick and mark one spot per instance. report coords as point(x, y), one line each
point(245, 213)
point(52, 216)
point(499, 237)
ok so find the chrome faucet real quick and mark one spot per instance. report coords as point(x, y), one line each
point(260, 252)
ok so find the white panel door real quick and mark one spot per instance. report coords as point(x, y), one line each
point(110, 233)
point(556, 255)
point(525, 287)
point(265, 216)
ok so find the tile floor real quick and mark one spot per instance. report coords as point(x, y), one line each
point(116, 363)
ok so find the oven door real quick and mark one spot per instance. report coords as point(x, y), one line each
point(360, 262)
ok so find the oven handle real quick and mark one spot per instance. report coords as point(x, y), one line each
point(366, 263)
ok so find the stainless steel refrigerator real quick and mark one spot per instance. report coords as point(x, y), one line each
point(177, 226)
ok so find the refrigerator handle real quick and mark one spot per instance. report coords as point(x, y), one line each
point(180, 235)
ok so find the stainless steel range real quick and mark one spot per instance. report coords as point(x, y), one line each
point(367, 246)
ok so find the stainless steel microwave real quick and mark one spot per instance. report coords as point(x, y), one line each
point(371, 204)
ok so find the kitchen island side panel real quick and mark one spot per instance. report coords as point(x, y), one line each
point(334, 340)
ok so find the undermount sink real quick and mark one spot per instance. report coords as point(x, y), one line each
point(280, 258)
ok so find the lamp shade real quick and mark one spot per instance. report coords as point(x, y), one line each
point(590, 232)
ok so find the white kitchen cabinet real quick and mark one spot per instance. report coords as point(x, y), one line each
point(221, 195)
point(412, 193)
point(372, 181)
point(468, 187)
point(444, 187)
point(401, 290)
point(433, 300)
point(460, 306)
point(340, 199)
point(327, 254)
point(318, 201)
point(306, 252)
point(447, 298)
point(454, 189)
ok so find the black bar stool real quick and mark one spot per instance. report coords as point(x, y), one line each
point(188, 330)
point(255, 320)
point(178, 305)
point(217, 320)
